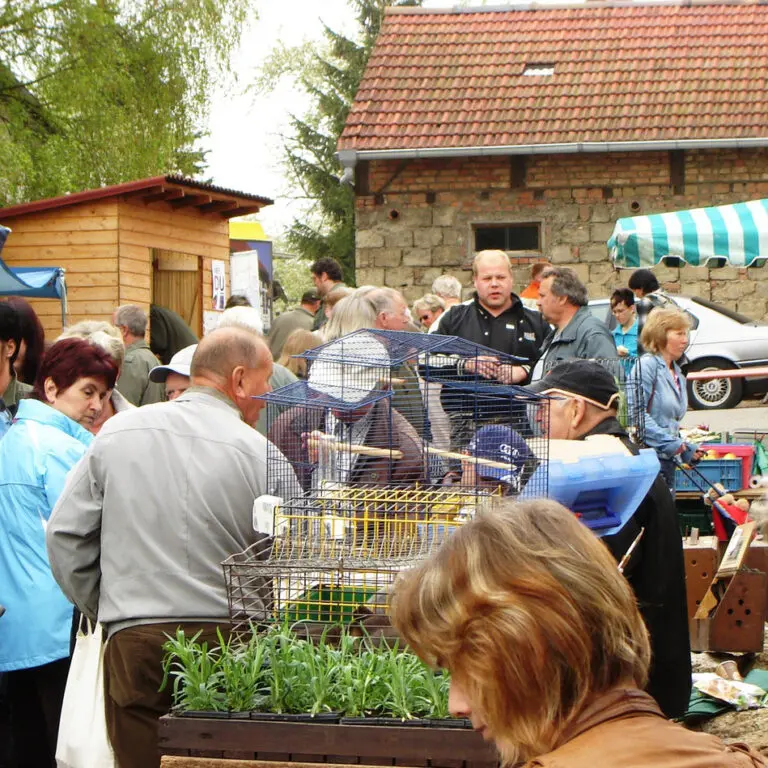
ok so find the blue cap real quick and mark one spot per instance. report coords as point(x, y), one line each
point(500, 443)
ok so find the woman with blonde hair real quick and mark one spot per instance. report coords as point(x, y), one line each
point(547, 651)
point(299, 341)
point(658, 380)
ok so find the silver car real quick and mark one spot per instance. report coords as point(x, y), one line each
point(720, 339)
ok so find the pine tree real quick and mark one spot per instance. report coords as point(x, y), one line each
point(331, 76)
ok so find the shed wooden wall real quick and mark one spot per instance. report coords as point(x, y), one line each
point(106, 249)
point(83, 239)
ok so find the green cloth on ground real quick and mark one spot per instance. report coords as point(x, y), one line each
point(702, 707)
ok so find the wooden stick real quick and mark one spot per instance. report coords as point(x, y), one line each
point(364, 450)
point(628, 553)
point(469, 459)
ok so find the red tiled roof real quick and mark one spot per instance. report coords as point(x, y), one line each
point(623, 73)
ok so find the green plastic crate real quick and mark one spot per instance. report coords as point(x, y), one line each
point(328, 604)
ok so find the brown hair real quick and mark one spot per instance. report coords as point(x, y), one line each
point(297, 342)
point(527, 610)
point(654, 334)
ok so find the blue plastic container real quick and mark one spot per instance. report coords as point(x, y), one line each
point(603, 491)
point(724, 471)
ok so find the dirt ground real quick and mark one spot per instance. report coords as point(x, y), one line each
point(750, 726)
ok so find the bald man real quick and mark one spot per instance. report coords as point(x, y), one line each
point(157, 503)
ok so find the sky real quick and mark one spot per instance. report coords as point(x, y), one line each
point(244, 127)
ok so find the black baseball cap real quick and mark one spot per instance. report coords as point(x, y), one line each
point(308, 296)
point(580, 378)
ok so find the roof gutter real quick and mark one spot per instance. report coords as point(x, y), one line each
point(350, 157)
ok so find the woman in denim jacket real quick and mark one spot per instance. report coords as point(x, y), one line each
point(664, 396)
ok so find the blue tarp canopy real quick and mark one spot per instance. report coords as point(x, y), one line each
point(736, 234)
point(32, 282)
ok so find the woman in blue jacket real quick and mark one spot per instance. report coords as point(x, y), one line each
point(46, 440)
point(657, 376)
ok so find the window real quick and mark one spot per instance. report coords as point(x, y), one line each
point(539, 69)
point(508, 237)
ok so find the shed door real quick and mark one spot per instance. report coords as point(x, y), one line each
point(177, 285)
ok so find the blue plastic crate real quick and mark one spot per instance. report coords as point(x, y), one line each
point(724, 471)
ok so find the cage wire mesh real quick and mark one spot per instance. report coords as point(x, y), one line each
point(395, 439)
point(336, 552)
point(394, 408)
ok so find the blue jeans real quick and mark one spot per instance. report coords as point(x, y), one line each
point(668, 467)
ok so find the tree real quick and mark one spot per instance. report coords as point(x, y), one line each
point(330, 74)
point(97, 92)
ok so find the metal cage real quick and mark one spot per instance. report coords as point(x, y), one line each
point(334, 554)
point(394, 408)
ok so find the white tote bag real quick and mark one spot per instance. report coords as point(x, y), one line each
point(83, 740)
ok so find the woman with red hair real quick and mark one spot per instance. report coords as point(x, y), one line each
point(47, 438)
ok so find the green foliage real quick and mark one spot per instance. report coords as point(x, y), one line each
point(99, 93)
point(280, 672)
point(330, 74)
point(295, 278)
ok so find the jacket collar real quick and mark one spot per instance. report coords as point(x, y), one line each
point(206, 395)
point(610, 426)
point(15, 391)
point(515, 301)
point(42, 413)
point(568, 333)
point(139, 344)
point(616, 704)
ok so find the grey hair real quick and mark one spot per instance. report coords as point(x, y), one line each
point(566, 283)
point(429, 301)
point(133, 318)
point(247, 318)
point(383, 299)
point(447, 286)
point(101, 334)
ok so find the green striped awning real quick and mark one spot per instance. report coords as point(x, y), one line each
point(737, 233)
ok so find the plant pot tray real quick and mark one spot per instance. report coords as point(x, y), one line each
point(291, 742)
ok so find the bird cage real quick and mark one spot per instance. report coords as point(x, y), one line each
point(334, 554)
point(631, 410)
point(392, 408)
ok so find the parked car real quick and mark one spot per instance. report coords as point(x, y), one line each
point(720, 339)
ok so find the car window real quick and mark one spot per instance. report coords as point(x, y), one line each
point(739, 318)
point(602, 311)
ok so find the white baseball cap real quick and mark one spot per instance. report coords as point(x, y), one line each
point(349, 369)
point(180, 363)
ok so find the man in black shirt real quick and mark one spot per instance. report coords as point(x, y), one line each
point(495, 317)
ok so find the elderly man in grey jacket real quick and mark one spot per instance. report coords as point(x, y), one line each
point(160, 499)
point(577, 333)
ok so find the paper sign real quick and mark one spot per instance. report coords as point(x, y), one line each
point(219, 277)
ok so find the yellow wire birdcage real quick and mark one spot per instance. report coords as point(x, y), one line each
point(335, 553)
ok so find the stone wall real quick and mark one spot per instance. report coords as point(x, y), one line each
point(417, 222)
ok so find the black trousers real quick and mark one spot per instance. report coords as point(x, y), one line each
point(33, 699)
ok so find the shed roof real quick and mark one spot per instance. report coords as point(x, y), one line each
point(621, 73)
point(176, 191)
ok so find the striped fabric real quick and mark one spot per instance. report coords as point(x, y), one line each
point(737, 233)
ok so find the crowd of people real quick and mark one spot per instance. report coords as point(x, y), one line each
point(125, 480)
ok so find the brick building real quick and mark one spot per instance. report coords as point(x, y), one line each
point(534, 128)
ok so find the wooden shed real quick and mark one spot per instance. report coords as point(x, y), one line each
point(152, 241)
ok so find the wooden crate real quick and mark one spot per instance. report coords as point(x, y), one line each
point(294, 742)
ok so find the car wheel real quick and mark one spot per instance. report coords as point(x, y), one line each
point(714, 393)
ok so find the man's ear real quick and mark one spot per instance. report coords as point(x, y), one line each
point(579, 412)
point(237, 379)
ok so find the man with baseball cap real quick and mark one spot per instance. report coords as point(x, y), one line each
point(344, 400)
point(584, 402)
point(176, 375)
point(491, 446)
